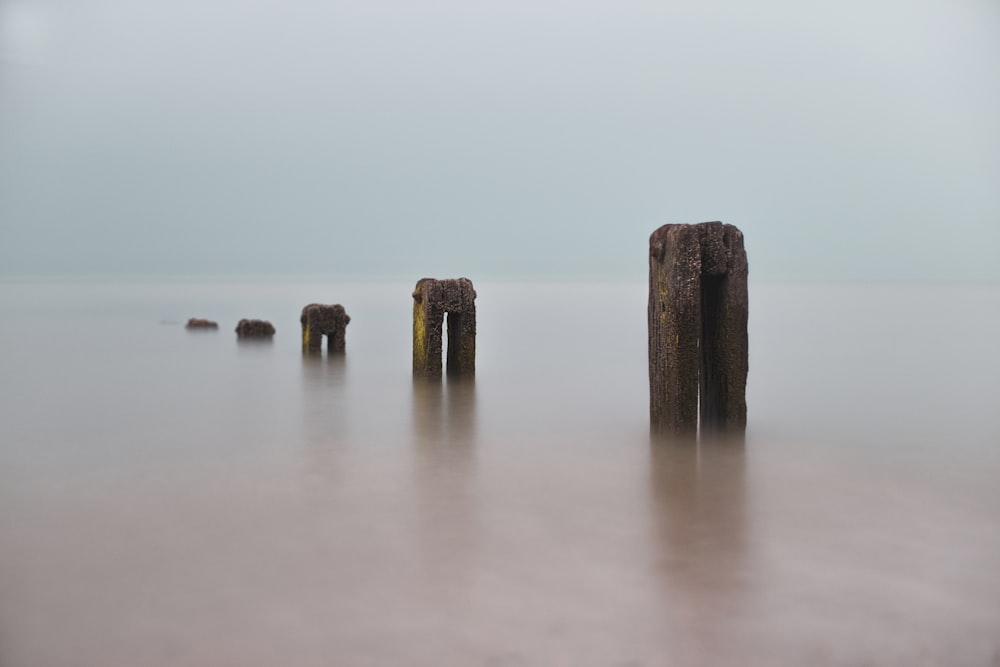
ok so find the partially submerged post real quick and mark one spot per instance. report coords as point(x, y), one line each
point(432, 300)
point(318, 321)
point(697, 329)
point(254, 329)
point(199, 323)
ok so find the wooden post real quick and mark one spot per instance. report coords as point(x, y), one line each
point(318, 321)
point(254, 329)
point(432, 301)
point(697, 329)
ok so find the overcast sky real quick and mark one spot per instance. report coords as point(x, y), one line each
point(851, 140)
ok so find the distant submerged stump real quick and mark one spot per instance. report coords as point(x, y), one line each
point(432, 300)
point(198, 323)
point(697, 329)
point(318, 321)
point(254, 329)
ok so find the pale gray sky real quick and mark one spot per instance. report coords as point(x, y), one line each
point(850, 140)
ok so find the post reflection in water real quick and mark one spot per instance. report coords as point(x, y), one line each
point(444, 418)
point(246, 344)
point(324, 401)
point(444, 428)
point(698, 498)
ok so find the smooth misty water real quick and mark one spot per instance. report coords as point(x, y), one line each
point(177, 498)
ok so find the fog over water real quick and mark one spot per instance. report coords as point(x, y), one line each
point(178, 498)
point(854, 141)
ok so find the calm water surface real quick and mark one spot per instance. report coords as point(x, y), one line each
point(177, 498)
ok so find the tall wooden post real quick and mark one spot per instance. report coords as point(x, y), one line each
point(432, 301)
point(697, 329)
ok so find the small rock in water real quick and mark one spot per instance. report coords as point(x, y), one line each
point(197, 323)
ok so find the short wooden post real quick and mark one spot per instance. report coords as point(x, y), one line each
point(254, 329)
point(697, 329)
point(317, 321)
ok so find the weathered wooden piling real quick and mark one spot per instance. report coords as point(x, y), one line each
point(432, 300)
point(697, 329)
point(254, 329)
point(318, 321)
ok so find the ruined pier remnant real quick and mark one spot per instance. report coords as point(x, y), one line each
point(254, 329)
point(697, 329)
point(199, 323)
point(318, 321)
point(432, 300)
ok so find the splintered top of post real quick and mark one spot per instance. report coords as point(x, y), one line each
point(323, 312)
point(721, 245)
point(454, 295)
